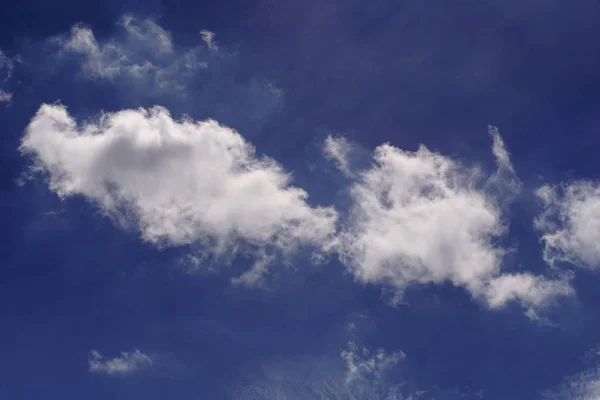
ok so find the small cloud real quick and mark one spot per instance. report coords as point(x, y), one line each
point(137, 53)
point(148, 34)
point(127, 363)
point(209, 39)
point(504, 185)
point(363, 364)
point(7, 65)
point(5, 97)
point(532, 291)
point(570, 223)
point(338, 149)
point(100, 61)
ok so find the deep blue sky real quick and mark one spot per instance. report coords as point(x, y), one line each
point(402, 72)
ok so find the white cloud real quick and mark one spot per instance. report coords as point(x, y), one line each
point(421, 217)
point(500, 152)
point(178, 182)
point(532, 291)
point(127, 363)
point(146, 66)
point(5, 97)
point(338, 149)
point(570, 223)
point(583, 386)
point(359, 374)
point(103, 62)
point(7, 65)
point(504, 184)
point(148, 34)
point(135, 54)
point(209, 39)
point(363, 364)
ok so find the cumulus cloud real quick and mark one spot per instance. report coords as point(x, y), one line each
point(178, 182)
point(570, 223)
point(127, 363)
point(421, 217)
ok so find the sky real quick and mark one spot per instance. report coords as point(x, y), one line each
point(268, 200)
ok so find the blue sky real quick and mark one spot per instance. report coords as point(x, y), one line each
point(299, 200)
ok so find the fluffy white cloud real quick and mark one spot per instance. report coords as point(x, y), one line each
point(421, 217)
point(570, 223)
point(178, 182)
point(127, 363)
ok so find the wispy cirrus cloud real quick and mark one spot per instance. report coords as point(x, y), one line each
point(126, 363)
point(358, 373)
point(363, 364)
point(144, 48)
point(143, 52)
point(339, 150)
point(584, 385)
point(7, 65)
point(209, 39)
point(142, 64)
